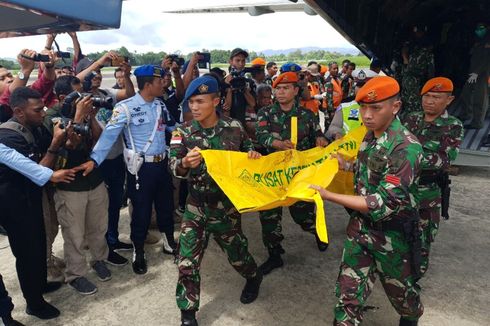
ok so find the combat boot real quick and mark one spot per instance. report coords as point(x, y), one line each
point(406, 322)
point(139, 259)
point(274, 261)
point(188, 318)
point(251, 290)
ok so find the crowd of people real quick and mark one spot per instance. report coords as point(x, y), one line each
point(71, 150)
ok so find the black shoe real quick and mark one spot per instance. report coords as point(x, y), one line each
point(51, 287)
point(251, 290)
point(9, 321)
point(280, 249)
point(43, 311)
point(188, 318)
point(406, 322)
point(322, 246)
point(169, 245)
point(2, 231)
point(274, 261)
point(139, 263)
point(116, 259)
point(122, 246)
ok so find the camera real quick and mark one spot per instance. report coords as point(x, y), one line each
point(38, 57)
point(61, 54)
point(175, 58)
point(97, 102)
point(239, 81)
point(82, 129)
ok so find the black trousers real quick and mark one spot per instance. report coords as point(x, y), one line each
point(24, 223)
point(6, 305)
point(155, 188)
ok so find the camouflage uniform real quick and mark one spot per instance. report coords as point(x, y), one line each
point(330, 109)
point(386, 174)
point(419, 69)
point(208, 210)
point(275, 124)
point(440, 140)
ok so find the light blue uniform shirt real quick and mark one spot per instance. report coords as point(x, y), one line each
point(38, 174)
point(143, 116)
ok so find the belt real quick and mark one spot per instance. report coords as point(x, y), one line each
point(155, 158)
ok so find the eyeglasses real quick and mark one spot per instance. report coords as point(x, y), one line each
point(7, 75)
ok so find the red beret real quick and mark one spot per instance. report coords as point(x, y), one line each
point(438, 84)
point(378, 89)
point(286, 77)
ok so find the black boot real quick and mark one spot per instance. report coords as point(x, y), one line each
point(43, 310)
point(274, 261)
point(406, 322)
point(188, 318)
point(251, 290)
point(139, 260)
point(322, 246)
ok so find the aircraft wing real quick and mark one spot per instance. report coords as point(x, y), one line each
point(252, 8)
point(27, 17)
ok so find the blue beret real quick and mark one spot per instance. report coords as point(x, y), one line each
point(201, 85)
point(149, 71)
point(290, 66)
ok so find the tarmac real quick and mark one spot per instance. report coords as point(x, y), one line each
point(455, 289)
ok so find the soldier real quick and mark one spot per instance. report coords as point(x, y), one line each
point(208, 210)
point(274, 133)
point(382, 228)
point(418, 67)
point(144, 119)
point(333, 93)
point(440, 135)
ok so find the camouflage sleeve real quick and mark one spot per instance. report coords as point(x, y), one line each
point(262, 127)
point(178, 150)
point(316, 130)
point(246, 143)
point(345, 85)
point(439, 154)
point(393, 192)
point(329, 95)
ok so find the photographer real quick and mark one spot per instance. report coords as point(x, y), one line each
point(82, 205)
point(240, 93)
point(26, 60)
point(22, 215)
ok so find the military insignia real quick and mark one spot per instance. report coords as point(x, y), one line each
point(137, 109)
point(176, 138)
point(114, 116)
point(437, 87)
point(141, 120)
point(203, 88)
point(393, 179)
point(156, 72)
point(372, 95)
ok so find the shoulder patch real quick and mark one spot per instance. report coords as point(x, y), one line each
point(176, 137)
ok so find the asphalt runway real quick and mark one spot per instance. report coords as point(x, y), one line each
point(455, 290)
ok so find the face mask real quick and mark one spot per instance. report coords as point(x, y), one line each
point(481, 32)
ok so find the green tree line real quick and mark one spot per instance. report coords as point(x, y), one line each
point(221, 57)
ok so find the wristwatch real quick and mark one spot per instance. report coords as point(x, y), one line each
point(21, 75)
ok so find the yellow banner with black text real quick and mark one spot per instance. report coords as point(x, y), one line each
point(283, 178)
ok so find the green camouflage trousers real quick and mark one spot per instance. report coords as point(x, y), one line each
point(429, 224)
point(303, 213)
point(386, 254)
point(224, 222)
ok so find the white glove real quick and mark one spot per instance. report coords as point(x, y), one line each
point(472, 78)
point(318, 97)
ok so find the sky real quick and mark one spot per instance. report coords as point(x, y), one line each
point(145, 28)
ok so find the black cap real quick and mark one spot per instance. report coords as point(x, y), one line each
point(238, 51)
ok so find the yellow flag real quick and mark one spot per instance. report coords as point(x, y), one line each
point(294, 131)
point(283, 178)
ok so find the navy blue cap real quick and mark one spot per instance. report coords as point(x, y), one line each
point(290, 66)
point(149, 71)
point(201, 85)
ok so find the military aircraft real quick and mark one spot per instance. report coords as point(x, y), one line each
point(378, 28)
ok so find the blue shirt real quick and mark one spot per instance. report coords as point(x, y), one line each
point(38, 174)
point(143, 116)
